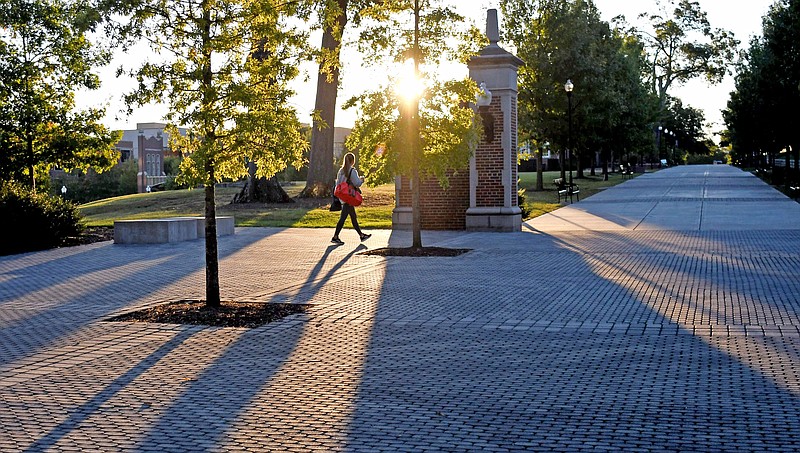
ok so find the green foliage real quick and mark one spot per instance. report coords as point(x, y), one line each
point(293, 174)
point(45, 56)
point(387, 33)
point(762, 114)
point(560, 40)
point(449, 129)
point(227, 80)
point(223, 68)
point(682, 46)
point(40, 221)
point(699, 159)
point(83, 187)
point(172, 165)
point(526, 210)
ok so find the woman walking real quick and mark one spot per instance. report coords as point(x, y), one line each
point(348, 173)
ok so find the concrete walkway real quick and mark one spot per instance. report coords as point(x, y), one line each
point(660, 315)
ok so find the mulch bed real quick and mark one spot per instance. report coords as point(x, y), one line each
point(91, 235)
point(228, 314)
point(415, 251)
point(97, 234)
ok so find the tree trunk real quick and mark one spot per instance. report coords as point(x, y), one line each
point(209, 135)
point(31, 166)
point(321, 172)
point(262, 190)
point(212, 256)
point(539, 171)
point(249, 185)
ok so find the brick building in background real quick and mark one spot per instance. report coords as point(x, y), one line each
point(148, 144)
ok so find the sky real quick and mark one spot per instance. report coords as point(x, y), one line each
point(742, 17)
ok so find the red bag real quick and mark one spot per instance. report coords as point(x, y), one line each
point(348, 193)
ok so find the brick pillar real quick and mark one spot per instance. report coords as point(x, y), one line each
point(493, 168)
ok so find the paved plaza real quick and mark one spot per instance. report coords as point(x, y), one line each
point(662, 314)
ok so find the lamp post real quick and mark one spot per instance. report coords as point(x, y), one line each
point(568, 87)
point(658, 146)
point(64, 191)
point(671, 153)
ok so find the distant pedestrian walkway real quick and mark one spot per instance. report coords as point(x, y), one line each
point(699, 198)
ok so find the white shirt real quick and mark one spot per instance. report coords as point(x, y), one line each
point(354, 178)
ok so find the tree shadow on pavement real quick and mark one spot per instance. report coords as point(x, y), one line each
point(572, 356)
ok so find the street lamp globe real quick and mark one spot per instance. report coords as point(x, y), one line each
point(568, 86)
point(484, 97)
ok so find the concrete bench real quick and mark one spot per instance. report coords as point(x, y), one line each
point(224, 225)
point(171, 229)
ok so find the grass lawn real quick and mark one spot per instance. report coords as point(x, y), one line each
point(544, 201)
point(376, 212)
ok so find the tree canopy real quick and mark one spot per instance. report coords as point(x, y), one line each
point(762, 114)
point(682, 45)
point(562, 40)
point(45, 56)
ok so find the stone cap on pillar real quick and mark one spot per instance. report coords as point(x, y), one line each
point(493, 54)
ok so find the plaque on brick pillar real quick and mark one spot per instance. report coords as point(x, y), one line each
point(493, 204)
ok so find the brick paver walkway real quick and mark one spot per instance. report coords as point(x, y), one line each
point(660, 315)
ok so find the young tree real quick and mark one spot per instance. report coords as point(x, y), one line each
point(414, 130)
point(223, 68)
point(45, 57)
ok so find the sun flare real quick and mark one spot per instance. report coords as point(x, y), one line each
point(409, 85)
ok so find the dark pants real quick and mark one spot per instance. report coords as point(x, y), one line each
point(347, 210)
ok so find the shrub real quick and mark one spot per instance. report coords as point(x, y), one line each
point(172, 165)
point(526, 210)
point(90, 186)
point(35, 221)
point(699, 159)
point(172, 184)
